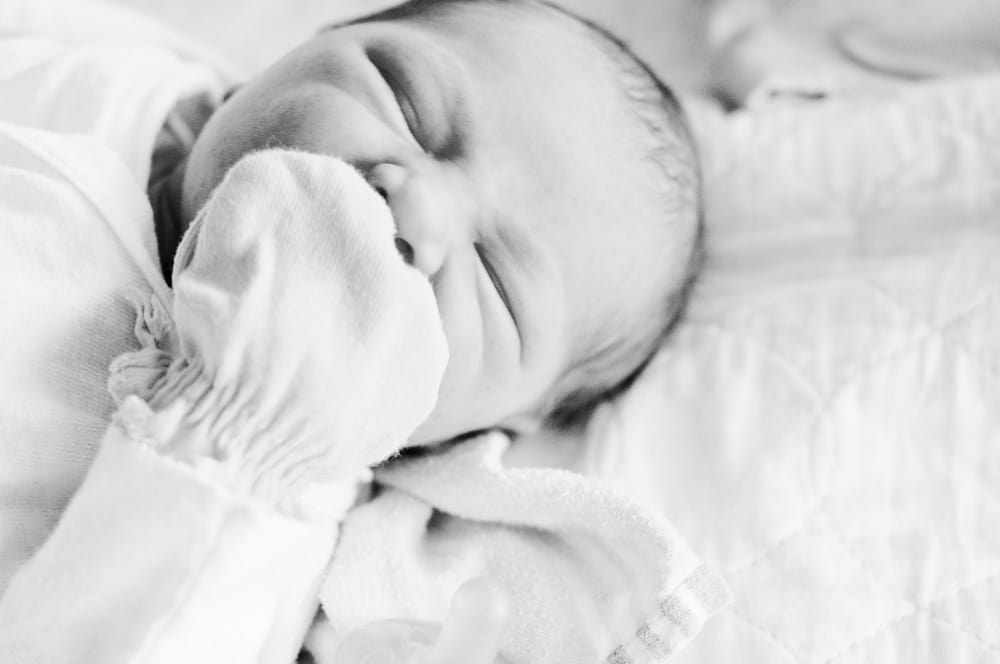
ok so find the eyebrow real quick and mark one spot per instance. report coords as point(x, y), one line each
point(389, 71)
point(431, 82)
point(383, 14)
point(424, 73)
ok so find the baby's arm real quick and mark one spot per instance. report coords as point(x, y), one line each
point(153, 563)
point(204, 525)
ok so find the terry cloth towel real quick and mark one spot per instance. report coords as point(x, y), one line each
point(593, 576)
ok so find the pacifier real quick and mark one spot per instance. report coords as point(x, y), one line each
point(471, 633)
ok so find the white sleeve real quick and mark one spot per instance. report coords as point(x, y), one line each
point(151, 562)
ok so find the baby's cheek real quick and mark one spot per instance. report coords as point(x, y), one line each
point(469, 400)
point(481, 386)
point(457, 396)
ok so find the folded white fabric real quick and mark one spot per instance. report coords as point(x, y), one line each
point(593, 576)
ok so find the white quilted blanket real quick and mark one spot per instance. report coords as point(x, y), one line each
point(826, 428)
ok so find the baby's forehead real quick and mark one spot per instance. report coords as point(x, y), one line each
point(505, 25)
point(494, 12)
point(529, 68)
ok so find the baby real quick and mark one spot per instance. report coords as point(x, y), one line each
point(538, 175)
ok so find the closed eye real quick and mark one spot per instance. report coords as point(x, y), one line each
point(403, 100)
point(497, 284)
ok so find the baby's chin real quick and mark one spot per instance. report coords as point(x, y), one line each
point(445, 423)
point(434, 431)
point(459, 418)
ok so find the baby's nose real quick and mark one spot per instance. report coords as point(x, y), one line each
point(423, 234)
point(422, 244)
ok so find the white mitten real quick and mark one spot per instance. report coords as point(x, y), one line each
point(308, 349)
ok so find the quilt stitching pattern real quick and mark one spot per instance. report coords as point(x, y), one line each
point(932, 332)
point(917, 609)
point(966, 633)
point(893, 454)
point(768, 636)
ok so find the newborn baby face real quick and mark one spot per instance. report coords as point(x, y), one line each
point(496, 136)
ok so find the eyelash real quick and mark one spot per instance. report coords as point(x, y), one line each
point(497, 284)
point(402, 98)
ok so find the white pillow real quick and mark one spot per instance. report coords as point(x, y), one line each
point(825, 426)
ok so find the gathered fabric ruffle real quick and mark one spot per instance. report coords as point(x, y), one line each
point(169, 404)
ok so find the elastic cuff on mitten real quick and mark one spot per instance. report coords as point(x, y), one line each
point(283, 481)
point(169, 405)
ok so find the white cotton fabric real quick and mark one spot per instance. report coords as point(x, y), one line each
point(78, 243)
point(825, 425)
point(152, 560)
point(296, 323)
point(88, 68)
point(289, 302)
point(155, 563)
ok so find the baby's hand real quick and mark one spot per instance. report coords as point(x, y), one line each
point(308, 348)
point(471, 634)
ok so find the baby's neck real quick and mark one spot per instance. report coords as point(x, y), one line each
point(168, 222)
point(166, 173)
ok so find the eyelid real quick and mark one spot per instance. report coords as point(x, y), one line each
point(403, 98)
point(497, 284)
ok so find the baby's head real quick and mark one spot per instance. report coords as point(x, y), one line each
point(538, 174)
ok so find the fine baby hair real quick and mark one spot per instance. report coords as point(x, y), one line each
point(659, 131)
point(665, 135)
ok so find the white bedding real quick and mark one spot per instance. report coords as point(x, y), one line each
point(826, 427)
